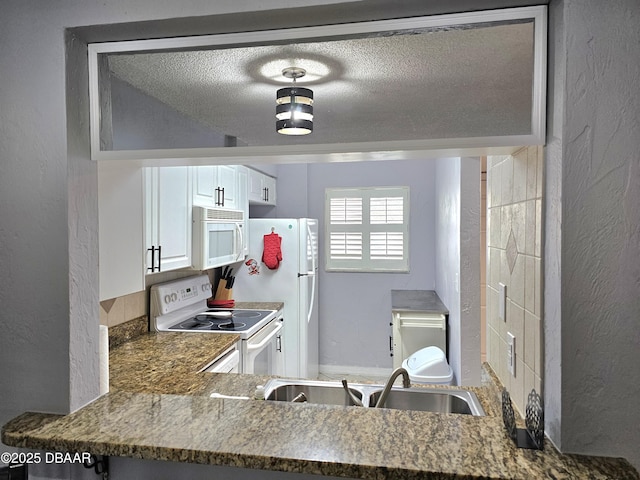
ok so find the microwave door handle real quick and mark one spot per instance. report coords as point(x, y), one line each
point(260, 345)
point(240, 242)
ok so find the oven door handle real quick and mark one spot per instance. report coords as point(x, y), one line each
point(269, 337)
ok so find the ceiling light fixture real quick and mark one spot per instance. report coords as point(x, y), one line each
point(294, 106)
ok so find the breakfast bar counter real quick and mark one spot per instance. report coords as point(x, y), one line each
point(163, 411)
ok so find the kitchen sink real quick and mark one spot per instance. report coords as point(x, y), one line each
point(430, 400)
point(438, 400)
point(326, 393)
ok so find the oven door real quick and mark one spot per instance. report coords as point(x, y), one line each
point(260, 352)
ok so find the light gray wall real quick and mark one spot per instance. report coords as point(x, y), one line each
point(356, 307)
point(292, 191)
point(458, 262)
point(599, 231)
point(470, 215)
point(143, 122)
point(448, 251)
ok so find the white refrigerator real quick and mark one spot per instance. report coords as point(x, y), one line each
point(294, 282)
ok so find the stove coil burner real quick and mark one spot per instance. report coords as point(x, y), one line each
point(231, 325)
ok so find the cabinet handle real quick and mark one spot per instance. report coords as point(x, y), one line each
point(279, 343)
point(390, 346)
point(153, 258)
point(153, 250)
point(222, 189)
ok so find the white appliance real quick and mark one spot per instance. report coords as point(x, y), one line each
point(415, 330)
point(294, 282)
point(181, 306)
point(217, 237)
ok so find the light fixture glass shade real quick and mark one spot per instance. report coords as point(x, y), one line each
point(294, 111)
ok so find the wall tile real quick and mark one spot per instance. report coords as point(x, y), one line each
point(537, 245)
point(516, 327)
point(493, 225)
point(529, 284)
point(530, 345)
point(520, 166)
point(538, 351)
point(515, 286)
point(517, 386)
point(116, 314)
point(530, 228)
point(506, 218)
point(538, 287)
point(529, 382)
point(134, 305)
point(506, 194)
point(518, 225)
point(515, 193)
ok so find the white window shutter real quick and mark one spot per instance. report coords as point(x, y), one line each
point(367, 229)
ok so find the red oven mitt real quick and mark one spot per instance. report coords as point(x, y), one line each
point(272, 253)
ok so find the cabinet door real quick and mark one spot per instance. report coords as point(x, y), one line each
point(269, 190)
point(121, 226)
point(168, 221)
point(262, 188)
point(204, 186)
point(228, 182)
point(255, 186)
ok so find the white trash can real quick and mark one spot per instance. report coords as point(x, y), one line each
point(429, 366)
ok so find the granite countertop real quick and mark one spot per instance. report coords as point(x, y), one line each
point(417, 300)
point(159, 408)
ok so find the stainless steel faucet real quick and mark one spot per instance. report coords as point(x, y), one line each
point(406, 383)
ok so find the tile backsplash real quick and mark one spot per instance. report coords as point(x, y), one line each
point(514, 258)
point(122, 309)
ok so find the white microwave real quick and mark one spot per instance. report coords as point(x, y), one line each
point(217, 237)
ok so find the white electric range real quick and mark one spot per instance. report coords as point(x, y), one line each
point(181, 306)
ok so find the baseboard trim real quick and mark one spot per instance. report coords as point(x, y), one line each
point(331, 370)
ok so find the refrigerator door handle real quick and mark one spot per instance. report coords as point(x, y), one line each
point(313, 294)
point(314, 268)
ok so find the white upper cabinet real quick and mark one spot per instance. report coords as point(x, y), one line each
point(168, 214)
point(216, 186)
point(262, 188)
point(204, 186)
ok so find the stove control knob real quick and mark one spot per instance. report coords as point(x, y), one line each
point(174, 297)
point(167, 299)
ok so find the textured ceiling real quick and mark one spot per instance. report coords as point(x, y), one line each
point(457, 82)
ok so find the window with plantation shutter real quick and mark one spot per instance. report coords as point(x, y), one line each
point(367, 229)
